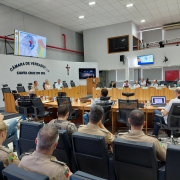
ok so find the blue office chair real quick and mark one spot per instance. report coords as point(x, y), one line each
point(13, 172)
point(28, 134)
point(1, 169)
point(63, 151)
point(79, 175)
point(91, 155)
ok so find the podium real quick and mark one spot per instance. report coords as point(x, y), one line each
point(91, 82)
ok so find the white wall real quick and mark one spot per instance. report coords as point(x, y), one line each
point(11, 19)
point(151, 36)
point(96, 49)
point(172, 34)
point(57, 70)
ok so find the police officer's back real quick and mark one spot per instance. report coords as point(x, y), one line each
point(41, 161)
point(136, 134)
point(6, 155)
point(95, 126)
point(61, 122)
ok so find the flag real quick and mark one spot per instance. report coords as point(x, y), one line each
point(12, 157)
point(161, 145)
point(67, 172)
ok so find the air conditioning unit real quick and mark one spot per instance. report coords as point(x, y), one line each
point(171, 26)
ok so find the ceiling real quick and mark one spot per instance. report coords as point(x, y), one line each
point(105, 12)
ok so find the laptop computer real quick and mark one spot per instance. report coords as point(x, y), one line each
point(158, 101)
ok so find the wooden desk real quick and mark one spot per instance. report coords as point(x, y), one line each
point(75, 105)
point(140, 93)
point(76, 92)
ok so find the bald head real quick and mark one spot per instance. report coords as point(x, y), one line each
point(136, 118)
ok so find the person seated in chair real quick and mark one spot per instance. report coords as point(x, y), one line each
point(137, 122)
point(126, 84)
point(165, 111)
point(35, 86)
point(104, 93)
point(136, 85)
point(41, 160)
point(112, 85)
point(178, 84)
point(155, 84)
point(59, 84)
point(16, 102)
point(61, 122)
point(143, 83)
point(95, 126)
point(6, 155)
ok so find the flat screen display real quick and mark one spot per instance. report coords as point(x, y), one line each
point(27, 44)
point(87, 73)
point(118, 44)
point(146, 59)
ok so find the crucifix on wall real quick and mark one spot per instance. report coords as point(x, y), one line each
point(67, 69)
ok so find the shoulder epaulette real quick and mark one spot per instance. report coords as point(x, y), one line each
point(151, 135)
point(5, 149)
point(104, 131)
point(82, 125)
point(59, 162)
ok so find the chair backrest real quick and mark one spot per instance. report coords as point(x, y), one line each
point(162, 82)
point(13, 172)
point(38, 106)
point(29, 88)
point(67, 100)
point(173, 120)
point(172, 162)
point(21, 89)
point(175, 82)
point(27, 136)
point(107, 98)
point(5, 90)
point(107, 108)
point(65, 84)
point(54, 85)
point(72, 84)
point(125, 108)
point(43, 85)
point(25, 107)
point(82, 175)
point(134, 160)
point(1, 168)
point(61, 94)
point(64, 148)
point(91, 154)
point(16, 96)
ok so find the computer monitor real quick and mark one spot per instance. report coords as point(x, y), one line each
point(158, 100)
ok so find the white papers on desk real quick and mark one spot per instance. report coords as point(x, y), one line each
point(89, 105)
point(161, 107)
point(45, 101)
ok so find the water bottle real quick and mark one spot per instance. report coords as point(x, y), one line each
point(148, 103)
point(78, 100)
point(54, 99)
point(73, 100)
point(43, 98)
point(91, 101)
point(117, 101)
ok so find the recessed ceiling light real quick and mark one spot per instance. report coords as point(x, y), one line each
point(81, 17)
point(143, 20)
point(129, 5)
point(92, 3)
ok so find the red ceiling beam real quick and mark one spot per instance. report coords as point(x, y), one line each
point(53, 47)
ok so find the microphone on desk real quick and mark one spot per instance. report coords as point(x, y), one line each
point(82, 96)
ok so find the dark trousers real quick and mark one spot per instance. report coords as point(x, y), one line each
point(156, 119)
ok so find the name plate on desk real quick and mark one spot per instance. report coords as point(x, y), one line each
point(70, 87)
point(60, 88)
point(133, 88)
point(171, 88)
point(145, 87)
point(158, 88)
point(120, 88)
point(98, 88)
point(109, 88)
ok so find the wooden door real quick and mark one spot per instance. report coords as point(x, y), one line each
point(171, 75)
